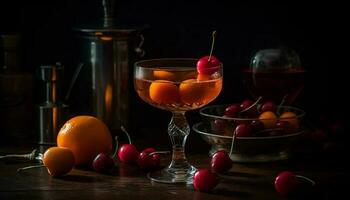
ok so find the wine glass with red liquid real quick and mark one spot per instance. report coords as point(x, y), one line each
point(275, 75)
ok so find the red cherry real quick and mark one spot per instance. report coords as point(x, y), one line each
point(221, 162)
point(245, 104)
point(204, 180)
point(256, 125)
point(148, 162)
point(208, 65)
point(243, 130)
point(285, 183)
point(219, 125)
point(249, 107)
point(232, 110)
point(128, 153)
point(103, 163)
point(284, 126)
point(268, 106)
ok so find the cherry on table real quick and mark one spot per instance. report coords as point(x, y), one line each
point(205, 180)
point(103, 163)
point(285, 183)
point(127, 152)
point(221, 162)
point(148, 162)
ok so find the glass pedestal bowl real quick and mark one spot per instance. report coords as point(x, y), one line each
point(174, 85)
point(262, 146)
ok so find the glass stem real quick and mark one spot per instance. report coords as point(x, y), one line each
point(178, 131)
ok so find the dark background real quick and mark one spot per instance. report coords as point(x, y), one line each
point(183, 29)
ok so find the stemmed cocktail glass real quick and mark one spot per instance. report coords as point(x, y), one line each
point(173, 84)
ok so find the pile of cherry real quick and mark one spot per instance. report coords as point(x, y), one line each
point(148, 159)
point(263, 119)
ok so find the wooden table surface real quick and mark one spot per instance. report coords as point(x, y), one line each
point(243, 181)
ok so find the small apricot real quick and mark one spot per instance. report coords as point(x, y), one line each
point(164, 92)
point(189, 75)
point(163, 75)
point(203, 77)
point(192, 91)
point(58, 160)
point(269, 119)
point(292, 119)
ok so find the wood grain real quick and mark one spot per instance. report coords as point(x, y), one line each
point(243, 181)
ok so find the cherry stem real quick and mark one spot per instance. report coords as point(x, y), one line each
point(116, 146)
point(251, 106)
point(159, 152)
point(30, 156)
point(29, 167)
point(233, 140)
point(306, 178)
point(126, 132)
point(212, 45)
point(282, 102)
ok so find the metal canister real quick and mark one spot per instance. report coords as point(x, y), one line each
point(107, 54)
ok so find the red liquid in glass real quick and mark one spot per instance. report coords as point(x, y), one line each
point(275, 85)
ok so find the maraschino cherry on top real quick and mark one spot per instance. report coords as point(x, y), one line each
point(208, 65)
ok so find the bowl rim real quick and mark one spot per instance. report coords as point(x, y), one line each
point(196, 129)
point(201, 112)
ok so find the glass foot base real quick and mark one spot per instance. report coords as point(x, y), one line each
point(170, 175)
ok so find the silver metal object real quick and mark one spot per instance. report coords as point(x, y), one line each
point(52, 112)
point(107, 52)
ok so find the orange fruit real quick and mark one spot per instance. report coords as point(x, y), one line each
point(58, 160)
point(269, 119)
point(86, 137)
point(203, 77)
point(192, 91)
point(164, 92)
point(163, 75)
point(188, 75)
point(292, 119)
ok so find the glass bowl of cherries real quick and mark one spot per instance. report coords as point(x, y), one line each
point(251, 131)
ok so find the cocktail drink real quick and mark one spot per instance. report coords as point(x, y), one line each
point(173, 84)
